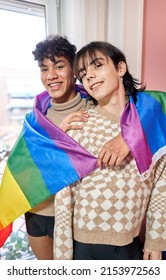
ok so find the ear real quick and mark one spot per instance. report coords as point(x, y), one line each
point(122, 68)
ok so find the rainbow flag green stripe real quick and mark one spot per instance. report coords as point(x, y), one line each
point(27, 174)
point(143, 125)
point(43, 161)
point(160, 96)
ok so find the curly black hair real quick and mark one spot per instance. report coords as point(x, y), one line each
point(54, 46)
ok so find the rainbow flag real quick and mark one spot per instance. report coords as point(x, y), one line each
point(43, 161)
point(143, 127)
point(4, 234)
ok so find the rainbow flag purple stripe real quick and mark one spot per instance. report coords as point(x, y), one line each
point(144, 129)
point(43, 161)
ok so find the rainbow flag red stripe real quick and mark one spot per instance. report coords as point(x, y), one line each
point(4, 234)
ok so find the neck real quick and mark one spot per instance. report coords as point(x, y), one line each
point(115, 105)
point(69, 95)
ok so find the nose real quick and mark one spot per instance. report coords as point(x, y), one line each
point(52, 74)
point(90, 73)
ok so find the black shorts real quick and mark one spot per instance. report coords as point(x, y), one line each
point(39, 225)
point(133, 251)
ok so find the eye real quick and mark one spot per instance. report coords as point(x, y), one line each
point(98, 64)
point(82, 74)
point(43, 70)
point(59, 66)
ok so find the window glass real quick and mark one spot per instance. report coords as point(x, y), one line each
point(21, 28)
point(22, 25)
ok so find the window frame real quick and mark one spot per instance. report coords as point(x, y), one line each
point(52, 11)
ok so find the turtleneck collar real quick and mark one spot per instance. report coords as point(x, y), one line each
point(76, 103)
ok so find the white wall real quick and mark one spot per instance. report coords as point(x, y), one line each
point(116, 18)
point(84, 20)
point(133, 35)
point(52, 17)
point(125, 30)
point(117, 21)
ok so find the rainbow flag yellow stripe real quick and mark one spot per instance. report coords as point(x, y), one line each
point(43, 161)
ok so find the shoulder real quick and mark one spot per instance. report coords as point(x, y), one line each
point(89, 103)
point(152, 95)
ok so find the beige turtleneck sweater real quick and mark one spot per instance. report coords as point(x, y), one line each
point(55, 114)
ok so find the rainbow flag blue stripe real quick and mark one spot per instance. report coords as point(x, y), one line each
point(45, 159)
point(144, 129)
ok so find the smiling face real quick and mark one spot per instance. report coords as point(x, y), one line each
point(100, 77)
point(58, 78)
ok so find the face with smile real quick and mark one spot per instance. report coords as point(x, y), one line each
point(100, 77)
point(58, 78)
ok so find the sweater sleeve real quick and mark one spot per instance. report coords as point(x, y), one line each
point(63, 235)
point(156, 213)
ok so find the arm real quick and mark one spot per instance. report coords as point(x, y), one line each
point(113, 152)
point(63, 228)
point(155, 237)
point(63, 225)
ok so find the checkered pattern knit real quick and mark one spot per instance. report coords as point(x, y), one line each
point(108, 206)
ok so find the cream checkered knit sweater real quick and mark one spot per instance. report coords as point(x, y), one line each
point(108, 206)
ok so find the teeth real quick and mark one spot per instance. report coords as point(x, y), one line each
point(95, 85)
point(53, 85)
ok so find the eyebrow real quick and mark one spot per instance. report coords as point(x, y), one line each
point(91, 63)
point(55, 62)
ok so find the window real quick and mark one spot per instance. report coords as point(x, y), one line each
point(23, 26)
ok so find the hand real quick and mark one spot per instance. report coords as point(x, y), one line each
point(80, 116)
point(151, 255)
point(113, 152)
